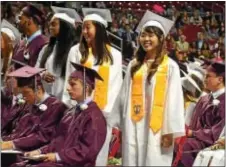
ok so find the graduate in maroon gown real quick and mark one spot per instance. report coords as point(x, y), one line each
point(39, 124)
point(27, 51)
point(82, 131)
point(13, 107)
point(208, 119)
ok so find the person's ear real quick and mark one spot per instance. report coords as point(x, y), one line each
point(221, 79)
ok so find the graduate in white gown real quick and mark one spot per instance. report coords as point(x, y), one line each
point(94, 51)
point(193, 86)
point(150, 107)
point(54, 56)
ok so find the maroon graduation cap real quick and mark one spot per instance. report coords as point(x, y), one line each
point(218, 68)
point(34, 12)
point(27, 75)
point(87, 75)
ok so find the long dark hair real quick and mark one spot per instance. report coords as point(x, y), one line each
point(140, 53)
point(101, 39)
point(64, 41)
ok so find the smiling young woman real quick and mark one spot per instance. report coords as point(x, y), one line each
point(147, 111)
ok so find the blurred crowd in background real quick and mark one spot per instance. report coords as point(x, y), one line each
point(199, 29)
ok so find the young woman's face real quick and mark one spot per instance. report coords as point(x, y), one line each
point(89, 31)
point(54, 27)
point(149, 41)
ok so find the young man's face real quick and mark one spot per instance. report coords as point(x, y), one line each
point(75, 89)
point(28, 94)
point(212, 81)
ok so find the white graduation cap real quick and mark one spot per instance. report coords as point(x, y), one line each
point(190, 84)
point(67, 14)
point(100, 15)
point(152, 19)
point(11, 31)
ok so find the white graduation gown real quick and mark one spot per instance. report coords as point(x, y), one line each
point(140, 147)
point(55, 88)
point(189, 112)
point(114, 86)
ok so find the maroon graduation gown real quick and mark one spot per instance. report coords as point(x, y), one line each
point(79, 138)
point(37, 124)
point(12, 116)
point(207, 123)
point(33, 48)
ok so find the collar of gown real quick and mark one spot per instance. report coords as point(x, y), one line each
point(218, 93)
point(33, 36)
point(86, 101)
point(46, 95)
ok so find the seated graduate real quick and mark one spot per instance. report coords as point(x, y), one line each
point(82, 131)
point(208, 118)
point(13, 106)
point(37, 126)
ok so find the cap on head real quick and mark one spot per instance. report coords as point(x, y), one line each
point(189, 83)
point(218, 68)
point(66, 14)
point(152, 19)
point(34, 12)
point(90, 74)
point(102, 16)
point(10, 30)
point(25, 75)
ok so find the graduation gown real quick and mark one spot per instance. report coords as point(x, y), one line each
point(55, 88)
point(13, 116)
point(33, 49)
point(140, 147)
point(37, 127)
point(115, 82)
point(207, 123)
point(79, 138)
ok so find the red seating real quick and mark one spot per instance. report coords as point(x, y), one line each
point(191, 31)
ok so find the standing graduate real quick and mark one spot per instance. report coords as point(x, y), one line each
point(94, 51)
point(193, 87)
point(30, 21)
point(150, 107)
point(54, 56)
point(82, 131)
point(208, 119)
point(39, 124)
point(10, 36)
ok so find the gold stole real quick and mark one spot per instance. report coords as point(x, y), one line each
point(137, 106)
point(101, 87)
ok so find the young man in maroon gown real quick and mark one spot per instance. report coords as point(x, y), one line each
point(208, 119)
point(29, 23)
point(82, 131)
point(38, 126)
